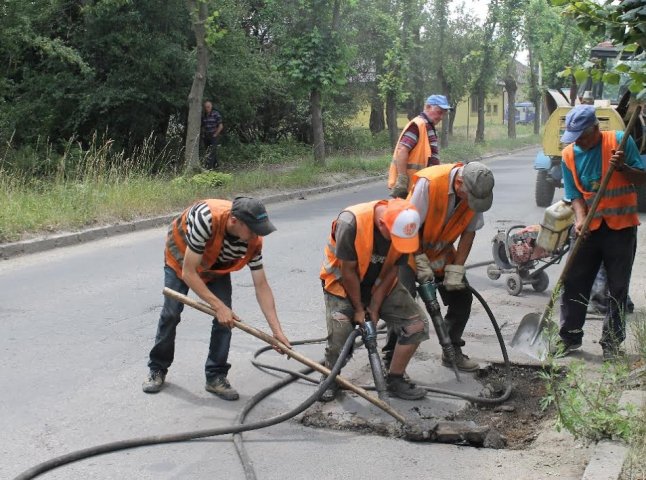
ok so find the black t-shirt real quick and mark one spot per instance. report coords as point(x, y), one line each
point(345, 234)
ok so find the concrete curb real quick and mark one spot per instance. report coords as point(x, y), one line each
point(26, 247)
point(66, 239)
point(609, 456)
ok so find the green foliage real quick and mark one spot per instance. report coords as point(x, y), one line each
point(205, 179)
point(586, 397)
point(588, 404)
point(625, 24)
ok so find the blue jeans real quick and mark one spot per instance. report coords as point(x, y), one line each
point(163, 352)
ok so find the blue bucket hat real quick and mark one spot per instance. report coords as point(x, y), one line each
point(576, 121)
point(440, 101)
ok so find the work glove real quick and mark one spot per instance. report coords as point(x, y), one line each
point(400, 189)
point(454, 277)
point(424, 272)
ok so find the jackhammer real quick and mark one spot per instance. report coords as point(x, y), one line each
point(369, 337)
point(428, 292)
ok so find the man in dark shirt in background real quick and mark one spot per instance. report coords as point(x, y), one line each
point(211, 128)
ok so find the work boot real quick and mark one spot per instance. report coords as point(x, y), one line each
point(462, 362)
point(561, 348)
point(222, 388)
point(398, 386)
point(331, 392)
point(154, 382)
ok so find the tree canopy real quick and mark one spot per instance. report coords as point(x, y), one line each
point(299, 69)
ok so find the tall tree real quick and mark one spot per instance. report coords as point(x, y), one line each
point(486, 61)
point(316, 57)
point(511, 25)
point(199, 13)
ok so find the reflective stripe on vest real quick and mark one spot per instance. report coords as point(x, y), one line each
point(176, 243)
point(618, 206)
point(437, 237)
point(417, 157)
point(364, 214)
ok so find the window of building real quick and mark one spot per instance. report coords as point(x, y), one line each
point(495, 109)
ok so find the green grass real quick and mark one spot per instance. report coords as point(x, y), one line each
point(84, 188)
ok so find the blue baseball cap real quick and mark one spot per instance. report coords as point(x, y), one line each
point(576, 121)
point(440, 101)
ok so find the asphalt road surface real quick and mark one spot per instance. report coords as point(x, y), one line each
point(78, 323)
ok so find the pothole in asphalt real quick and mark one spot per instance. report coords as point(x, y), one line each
point(521, 417)
point(514, 424)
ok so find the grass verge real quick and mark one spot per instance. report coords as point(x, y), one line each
point(94, 186)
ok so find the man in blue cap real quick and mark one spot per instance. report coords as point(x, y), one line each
point(612, 233)
point(417, 147)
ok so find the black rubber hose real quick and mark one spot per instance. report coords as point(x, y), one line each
point(247, 464)
point(508, 384)
point(471, 398)
point(182, 437)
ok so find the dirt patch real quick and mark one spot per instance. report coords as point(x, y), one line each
point(520, 418)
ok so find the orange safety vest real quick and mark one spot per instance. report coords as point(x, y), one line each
point(438, 238)
point(176, 243)
point(364, 213)
point(618, 206)
point(417, 157)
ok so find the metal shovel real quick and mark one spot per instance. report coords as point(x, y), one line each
point(530, 337)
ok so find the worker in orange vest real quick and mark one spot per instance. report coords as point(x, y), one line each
point(205, 243)
point(450, 199)
point(418, 146)
point(359, 275)
point(612, 234)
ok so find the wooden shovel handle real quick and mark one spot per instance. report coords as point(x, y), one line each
point(290, 353)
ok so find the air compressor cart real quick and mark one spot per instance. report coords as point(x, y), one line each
point(516, 253)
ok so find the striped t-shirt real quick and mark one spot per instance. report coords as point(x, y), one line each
point(411, 136)
point(199, 231)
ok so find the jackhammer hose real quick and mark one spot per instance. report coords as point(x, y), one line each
point(508, 385)
point(182, 437)
point(471, 398)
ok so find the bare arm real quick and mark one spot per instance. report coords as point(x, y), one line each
point(352, 286)
point(401, 159)
point(380, 291)
point(464, 247)
point(218, 129)
point(633, 175)
point(580, 212)
point(224, 314)
point(265, 298)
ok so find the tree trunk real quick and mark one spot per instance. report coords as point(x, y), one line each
point(318, 139)
point(535, 91)
point(377, 122)
point(481, 116)
point(442, 9)
point(391, 119)
point(511, 87)
point(199, 14)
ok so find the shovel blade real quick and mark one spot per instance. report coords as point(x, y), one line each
point(529, 337)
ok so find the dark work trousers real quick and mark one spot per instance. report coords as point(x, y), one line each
point(615, 248)
point(162, 354)
point(211, 146)
point(458, 303)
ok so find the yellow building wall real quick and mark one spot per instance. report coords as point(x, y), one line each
point(466, 113)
